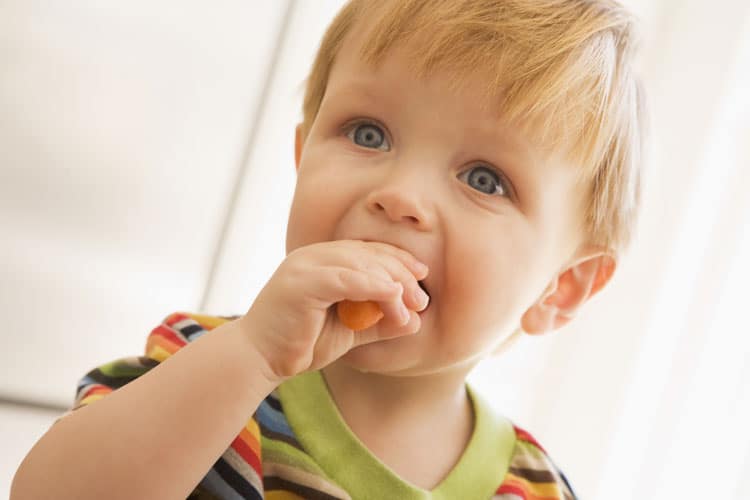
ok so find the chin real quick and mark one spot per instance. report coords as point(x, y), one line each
point(384, 357)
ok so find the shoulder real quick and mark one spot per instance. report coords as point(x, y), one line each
point(178, 329)
point(532, 473)
point(173, 332)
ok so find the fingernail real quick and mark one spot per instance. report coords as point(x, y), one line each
point(421, 298)
point(405, 315)
point(420, 267)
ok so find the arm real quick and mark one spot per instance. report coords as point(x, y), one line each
point(127, 446)
point(157, 436)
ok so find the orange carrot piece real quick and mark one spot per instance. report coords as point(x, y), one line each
point(359, 315)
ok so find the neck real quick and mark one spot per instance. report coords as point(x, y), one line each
point(410, 411)
point(385, 396)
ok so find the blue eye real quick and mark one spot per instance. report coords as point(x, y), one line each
point(368, 135)
point(486, 180)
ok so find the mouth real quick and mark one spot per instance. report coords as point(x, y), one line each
point(423, 287)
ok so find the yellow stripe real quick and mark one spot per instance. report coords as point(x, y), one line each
point(312, 480)
point(158, 353)
point(207, 322)
point(253, 428)
point(91, 399)
point(538, 489)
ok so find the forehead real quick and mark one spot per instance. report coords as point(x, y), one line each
point(393, 83)
point(404, 56)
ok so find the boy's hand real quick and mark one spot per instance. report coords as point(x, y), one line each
point(292, 324)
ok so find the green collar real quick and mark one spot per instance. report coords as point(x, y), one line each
point(320, 428)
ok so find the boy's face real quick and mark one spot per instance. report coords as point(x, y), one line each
point(405, 161)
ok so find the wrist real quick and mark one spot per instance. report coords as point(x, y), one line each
point(251, 364)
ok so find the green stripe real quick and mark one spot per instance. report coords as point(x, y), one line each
point(128, 367)
point(283, 453)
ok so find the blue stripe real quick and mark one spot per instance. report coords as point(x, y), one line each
point(84, 382)
point(217, 481)
point(271, 419)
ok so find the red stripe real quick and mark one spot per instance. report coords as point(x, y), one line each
point(509, 488)
point(522, 435)
point(168, 334)
point(97, 389)
point(250, 440)
point(176, 318)
point(248, 455)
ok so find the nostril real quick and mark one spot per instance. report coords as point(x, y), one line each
point(397, 210)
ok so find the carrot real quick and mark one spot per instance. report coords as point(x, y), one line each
point(359, 315)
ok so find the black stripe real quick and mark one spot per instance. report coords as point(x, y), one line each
point(271, 483)
point(195, 328)
point(199, 493)
point(567, 485)
point(113, 382)
point(235, 480)
point(191, 330)
point(533, 475)
point(116, 382)
point(274, 403)
point(278, 436)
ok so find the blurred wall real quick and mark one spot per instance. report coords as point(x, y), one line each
point(146, 167)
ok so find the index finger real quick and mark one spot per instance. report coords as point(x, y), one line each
point(418, 268)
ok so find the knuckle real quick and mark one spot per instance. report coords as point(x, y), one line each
point(344, 276)
point(338, 277)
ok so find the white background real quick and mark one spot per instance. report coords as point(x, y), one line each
point(146, 167)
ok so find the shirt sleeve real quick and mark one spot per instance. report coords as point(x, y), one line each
point(174, 332)
point(533, 474)
point(239, 468)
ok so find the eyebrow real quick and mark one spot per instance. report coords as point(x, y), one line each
point(518, 158)
point(359, 90)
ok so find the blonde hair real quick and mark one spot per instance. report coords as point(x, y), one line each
point(560, 70)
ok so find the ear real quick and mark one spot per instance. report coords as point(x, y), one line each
point(298, 143)
point(569, 290)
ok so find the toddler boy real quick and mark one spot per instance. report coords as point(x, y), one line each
point(472, 166)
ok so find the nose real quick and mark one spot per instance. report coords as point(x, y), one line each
point(400, 203)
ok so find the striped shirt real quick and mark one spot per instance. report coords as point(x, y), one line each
point(297, 446)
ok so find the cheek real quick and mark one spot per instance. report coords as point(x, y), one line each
point(318, 204)
point(309, 216)
point(488, 284)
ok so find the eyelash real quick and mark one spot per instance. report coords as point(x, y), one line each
point(350, 128)
point(504, 186)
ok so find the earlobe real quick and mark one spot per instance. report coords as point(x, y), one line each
point(567, 293)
